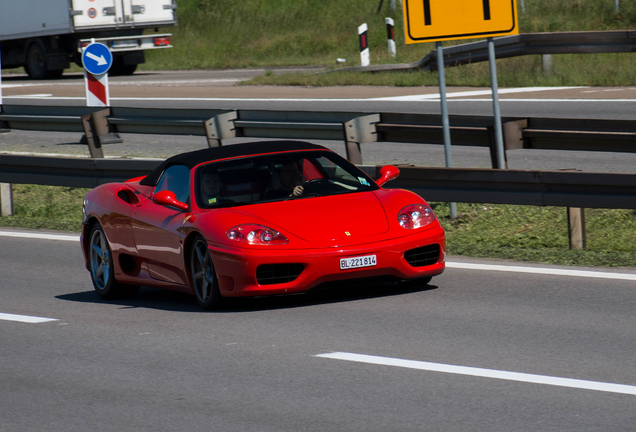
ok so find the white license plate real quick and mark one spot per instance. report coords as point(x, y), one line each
point(357, 262)
point(124, 44)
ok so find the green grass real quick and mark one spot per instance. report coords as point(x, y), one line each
point(521, 233)
point(46, 207)
point(271, 33)
point(568, 70)
point(539, 234)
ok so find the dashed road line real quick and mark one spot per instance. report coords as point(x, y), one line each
point(41, 236)
point(471, 93)
point(483, 373)
point(25, 318)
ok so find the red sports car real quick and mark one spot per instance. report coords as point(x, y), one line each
point(256, 219)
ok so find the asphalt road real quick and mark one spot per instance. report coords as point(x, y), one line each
point(158, 363)
point(217, 89)
point(478, 350)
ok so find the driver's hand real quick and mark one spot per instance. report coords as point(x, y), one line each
point(298, 191)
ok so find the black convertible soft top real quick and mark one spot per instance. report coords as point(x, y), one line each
point(194, 158)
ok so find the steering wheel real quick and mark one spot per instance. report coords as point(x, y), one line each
point(313, 181)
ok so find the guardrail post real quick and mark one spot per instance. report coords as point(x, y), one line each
point(546, 64)
point(94, 146)
point(512, 137)
point(576, 227)
point(98, 131)
point(359, 130)
point(6, 199)
point(220, 127)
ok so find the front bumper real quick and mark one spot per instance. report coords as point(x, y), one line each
point(236, 267)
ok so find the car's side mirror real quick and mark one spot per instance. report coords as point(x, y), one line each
point(387, 173)
point(168, 198)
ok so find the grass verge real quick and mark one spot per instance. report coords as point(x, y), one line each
point(527, 71)
point(46, 207)
point(520, 233)
point(271, 33)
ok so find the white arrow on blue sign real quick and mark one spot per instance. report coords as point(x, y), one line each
point(97, 58)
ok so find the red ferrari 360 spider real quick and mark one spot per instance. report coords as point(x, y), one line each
point(256, 219)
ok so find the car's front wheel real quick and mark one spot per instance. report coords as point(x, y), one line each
point(101, 267)
point(204, 281)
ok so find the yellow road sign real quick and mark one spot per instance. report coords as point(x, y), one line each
point(438, 20)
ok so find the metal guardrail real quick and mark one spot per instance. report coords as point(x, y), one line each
point(592, 42)
point(103, 126)
point(71, 172)
point(521, 187)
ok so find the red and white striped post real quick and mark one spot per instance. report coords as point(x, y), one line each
point(97, 91)
point(390, 35)
point(364, 45)
point(97, 60)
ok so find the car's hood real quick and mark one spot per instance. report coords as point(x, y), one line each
point(335, 217)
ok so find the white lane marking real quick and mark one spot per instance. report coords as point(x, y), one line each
point(129, 83)
point(483, 373)
point(471, 93)
point(31, 96)
point(41, 236)
point(6, 86)
point(167, 99)
point(542, 270)
point(25, 318)
point(177, 82)
point(449, 264)
point(543, 100)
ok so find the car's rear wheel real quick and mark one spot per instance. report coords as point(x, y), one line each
point(101, 267)
point(204, 281)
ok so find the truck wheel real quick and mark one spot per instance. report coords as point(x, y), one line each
point(36, 64)
point(119, 68)
point(36, 61)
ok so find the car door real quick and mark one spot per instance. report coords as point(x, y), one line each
point(156, 228)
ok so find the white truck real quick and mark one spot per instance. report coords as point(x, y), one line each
point(44, 36)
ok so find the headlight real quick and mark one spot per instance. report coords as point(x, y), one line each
point(256, 235)
point(415, 216)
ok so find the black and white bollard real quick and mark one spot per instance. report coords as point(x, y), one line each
point(390, 35)
point(364, 45)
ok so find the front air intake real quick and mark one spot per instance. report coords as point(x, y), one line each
point(270, 274)
point(423, 256)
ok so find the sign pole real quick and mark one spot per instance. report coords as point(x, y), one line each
point(97, 60)
point(0, 81)
point(501, 160)
point(445, 123)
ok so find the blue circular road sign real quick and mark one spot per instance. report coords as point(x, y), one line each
point(97, 58)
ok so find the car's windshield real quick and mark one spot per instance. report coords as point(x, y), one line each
point(277, 177)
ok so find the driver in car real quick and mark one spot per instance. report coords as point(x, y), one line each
point(287, 182)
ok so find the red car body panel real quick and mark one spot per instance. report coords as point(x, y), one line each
point(149, 241)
